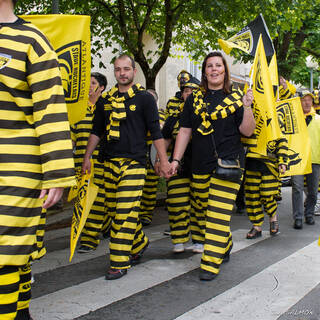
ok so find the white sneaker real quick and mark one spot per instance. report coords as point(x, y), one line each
point(178, 247)
point(197, 248)
point(317, 207)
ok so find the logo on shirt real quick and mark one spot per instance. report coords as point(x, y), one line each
point(4, 60)
point(132, 107)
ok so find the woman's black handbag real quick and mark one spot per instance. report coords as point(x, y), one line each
point(228, 170)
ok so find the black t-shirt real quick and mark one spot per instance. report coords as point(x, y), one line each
point(167, 132)
point(226, 134)
point(141, 116)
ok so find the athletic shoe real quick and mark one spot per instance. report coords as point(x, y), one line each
point(85, 249)
point(197, 248)
point(317, 208)
point(178, 248)
point(135, 259)
point(206, 275)
point(145, 221)
point(114, 274)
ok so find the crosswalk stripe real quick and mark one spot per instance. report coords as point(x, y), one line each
point(97, 293)
point(60, 258)
point(267, 294)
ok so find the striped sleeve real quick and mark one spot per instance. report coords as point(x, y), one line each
point(50, 117)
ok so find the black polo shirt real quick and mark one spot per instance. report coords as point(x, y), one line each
point(226, 134)
point(142, 116)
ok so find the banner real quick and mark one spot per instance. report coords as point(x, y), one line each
point(73, 192)
point(247, 39)
point(294, 128)
point(263, 94)
point(70, 37)
point(87, 193)
point(273, 70)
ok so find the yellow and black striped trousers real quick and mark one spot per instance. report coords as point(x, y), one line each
point(149, 195)
point(218, 237)
point(123, 181)
point(98, 220)
point(15, 291)
point(199, 191)
point(260, 191)
point(178, 204)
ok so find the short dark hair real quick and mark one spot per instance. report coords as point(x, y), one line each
point(124, 55)
point(100, 78)
point(204, 81)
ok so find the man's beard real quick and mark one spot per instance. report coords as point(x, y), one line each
point(127, 82)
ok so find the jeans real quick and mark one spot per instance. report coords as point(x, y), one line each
point(312, 180)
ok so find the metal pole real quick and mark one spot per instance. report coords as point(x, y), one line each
point(55, 6)
point(311, 79)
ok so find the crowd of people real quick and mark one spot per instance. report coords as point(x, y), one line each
point(197, 136)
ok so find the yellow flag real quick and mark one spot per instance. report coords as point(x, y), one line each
point(273, 70)
point(294, 128)
point(70, 37)
point(260, 131)
point(247, 38)
point(87, 193)
point(73, 192)
point(263, 93)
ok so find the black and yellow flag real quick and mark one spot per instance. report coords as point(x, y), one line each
point(294, 128)
point(87, 193)
point(70, 38)
point(264, 97)
point(247, 39)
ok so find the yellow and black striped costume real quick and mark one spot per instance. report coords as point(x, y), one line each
point(178, 200)
point(35, 153)
point(262, 180)
point(97, 218)
point(173, 104)
point(149, 193)
point(124, 149)
point(216, 114)
point(199, 195)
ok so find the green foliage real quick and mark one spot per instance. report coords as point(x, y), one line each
point(195, 26)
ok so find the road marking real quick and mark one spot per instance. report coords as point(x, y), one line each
point(268, 294)
point(60, 258)
point(89, 296)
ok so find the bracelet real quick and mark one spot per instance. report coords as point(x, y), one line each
point(157, 160)
point(179, 162)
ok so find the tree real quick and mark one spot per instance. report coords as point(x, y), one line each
point(168, 22)
point(295, 29)
point(194, 26)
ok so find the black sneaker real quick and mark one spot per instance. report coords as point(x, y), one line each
point(114, 274)
point(206, 275)
point(145, 221)
point(135, 259)
point(309, 220)
point(85, 249)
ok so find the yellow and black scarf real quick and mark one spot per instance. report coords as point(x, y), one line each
point(118, 109)
point(227, 107)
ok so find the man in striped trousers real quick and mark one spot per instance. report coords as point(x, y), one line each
point(121, 123)
point(36, 153)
